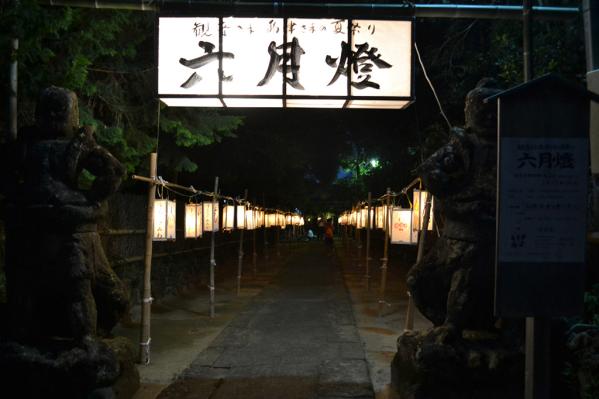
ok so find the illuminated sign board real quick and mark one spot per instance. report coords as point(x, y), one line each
point(285, 62)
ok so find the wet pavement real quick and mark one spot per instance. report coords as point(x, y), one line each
point(297, 339)
point(306, 324)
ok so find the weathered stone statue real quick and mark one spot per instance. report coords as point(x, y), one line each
point(466, 353)
point(62, 293)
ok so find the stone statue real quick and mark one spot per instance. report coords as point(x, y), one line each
point(453, 284)
point(62, 293)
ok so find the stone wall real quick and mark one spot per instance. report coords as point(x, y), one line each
point(176, 265)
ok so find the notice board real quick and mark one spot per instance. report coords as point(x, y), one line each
point(542, 194)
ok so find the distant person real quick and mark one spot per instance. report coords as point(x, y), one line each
point(328, 233)
point(311, 235)
point(320, 229)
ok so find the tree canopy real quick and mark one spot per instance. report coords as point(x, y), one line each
point(314, 159)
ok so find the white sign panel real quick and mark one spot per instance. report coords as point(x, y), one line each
point(273, 62)
point(543, 190)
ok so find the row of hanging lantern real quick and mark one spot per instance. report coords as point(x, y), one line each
point(404, 223)
point(205, 217)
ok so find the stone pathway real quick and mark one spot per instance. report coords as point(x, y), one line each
point(297, 339)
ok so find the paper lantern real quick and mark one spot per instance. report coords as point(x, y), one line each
point(260, 218)
point(354, 218)
point(281, 220)
point(164, 221)
point(363, 218)
point(229, 217)
point(243, 42)
point(271, 219)
point(241, 217)
point(380, 218)
point(418, 203)
point(193, 220)
point(401, 226)
point(211, 219)
point(296, 220)
point(250, 219)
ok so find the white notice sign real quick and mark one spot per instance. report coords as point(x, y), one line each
point(542, 205)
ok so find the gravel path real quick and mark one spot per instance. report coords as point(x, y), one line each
point(297, 339)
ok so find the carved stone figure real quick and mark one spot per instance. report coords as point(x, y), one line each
point(453, 284)
point(62, 292)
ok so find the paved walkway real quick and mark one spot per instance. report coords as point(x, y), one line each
point(297, 339)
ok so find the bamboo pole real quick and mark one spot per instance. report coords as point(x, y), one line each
point(359, 243)
point(385, 256)
point(240, 254)
point(368, 228)
point(278, 238)
point(421, 241)
point(145, 339)
point(212, 244)
point(265, 230)
point(254, 254)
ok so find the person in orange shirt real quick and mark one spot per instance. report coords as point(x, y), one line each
point(328, 233)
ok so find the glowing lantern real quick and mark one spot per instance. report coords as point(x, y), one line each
point(241, 216)
point(296, 220)
point(281, 220)
point(193, 221)
point(380, 217)
point(229, 217)
point(246, 38)
point(211, 220)
point(363, 218)
point(271, 219)
point(259, 218)
point(250, 219)
point(164, 221)
point(418, 211)
point(401, 227)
